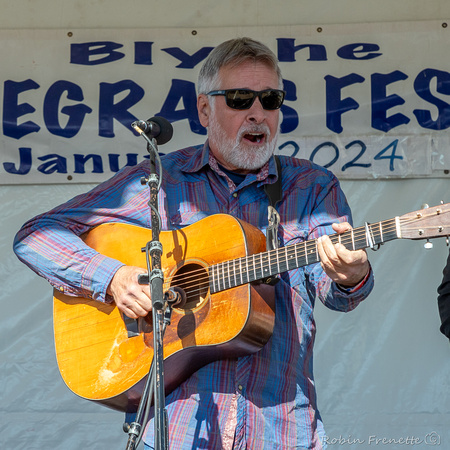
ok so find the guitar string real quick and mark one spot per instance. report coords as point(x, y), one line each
point(291, 248)
point(253, 261)
point(259, 262)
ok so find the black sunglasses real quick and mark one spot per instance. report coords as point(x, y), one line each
point(270, 99)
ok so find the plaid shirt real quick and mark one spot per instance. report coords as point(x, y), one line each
point(263, 401)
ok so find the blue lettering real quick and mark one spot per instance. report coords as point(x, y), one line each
point(55, 163)
point(287, 50)
point(290, 116)
point(350, 51)
point(143, 53)
point(108, 110)
point(12, 110)
point(293, 144)
point(188, 61)
point(76, 113)
point(185, 91)
point(422, 87)
point(382, 102)
point(335, 105)
point(82, 53)
point(25, 163)
point(80, 162)
point(392, 157)
point(319, 147)
point(114, 161)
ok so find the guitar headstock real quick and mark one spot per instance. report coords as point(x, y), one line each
point(427, 223)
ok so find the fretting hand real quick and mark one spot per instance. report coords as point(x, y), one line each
point(345, 267)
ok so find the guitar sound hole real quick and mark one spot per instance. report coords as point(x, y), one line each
point(194, 281)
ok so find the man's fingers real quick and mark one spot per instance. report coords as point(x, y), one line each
point(133, 310)
point(341, 227)
point(346, 267)
point(131, 298)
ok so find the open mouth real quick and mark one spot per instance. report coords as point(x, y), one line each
point(256, 138)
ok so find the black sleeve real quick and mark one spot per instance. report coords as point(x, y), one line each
point(444, 300)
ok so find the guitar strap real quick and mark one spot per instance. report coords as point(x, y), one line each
point(274, 193)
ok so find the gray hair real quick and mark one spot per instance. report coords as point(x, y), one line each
point(233, 53)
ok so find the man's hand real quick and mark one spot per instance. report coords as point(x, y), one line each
point(343, 266)
point(132, 298)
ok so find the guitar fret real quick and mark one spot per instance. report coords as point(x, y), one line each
point(213, 279)
point(353, 239)
point(254, 268)
point(381, 232)
point(285, 263)
point(218, 276)
point(265, 264)
point(224, 279)
point(291, 259)
point(247, 270)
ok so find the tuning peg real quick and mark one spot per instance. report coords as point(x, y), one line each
point(425, 206)
point(428, 244)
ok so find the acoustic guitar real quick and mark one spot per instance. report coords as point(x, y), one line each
point(219, 263)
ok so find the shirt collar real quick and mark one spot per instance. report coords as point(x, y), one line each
point(199, 159)
point(203, 157)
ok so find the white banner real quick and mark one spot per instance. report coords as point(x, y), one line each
point(366, 100)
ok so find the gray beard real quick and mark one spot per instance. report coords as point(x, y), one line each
point(236, 152)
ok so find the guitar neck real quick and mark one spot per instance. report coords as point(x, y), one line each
point(264, 265)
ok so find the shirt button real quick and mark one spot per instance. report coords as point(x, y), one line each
point(235, 195)
point(240, 387)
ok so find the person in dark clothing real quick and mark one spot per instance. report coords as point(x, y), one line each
point(444, 300)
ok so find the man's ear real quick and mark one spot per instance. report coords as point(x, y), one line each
point(204, 109)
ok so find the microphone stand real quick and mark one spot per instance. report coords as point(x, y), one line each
point(161, 311)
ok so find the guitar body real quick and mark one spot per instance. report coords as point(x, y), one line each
point(101, 361)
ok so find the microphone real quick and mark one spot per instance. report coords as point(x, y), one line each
point(157, 127)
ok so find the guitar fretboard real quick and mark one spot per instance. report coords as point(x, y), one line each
point(236, 272)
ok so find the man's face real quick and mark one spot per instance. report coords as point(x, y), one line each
point(241, 140)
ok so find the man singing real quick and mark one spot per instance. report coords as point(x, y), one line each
point(265, 400)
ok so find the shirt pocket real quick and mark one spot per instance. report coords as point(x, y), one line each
point(190, 203)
